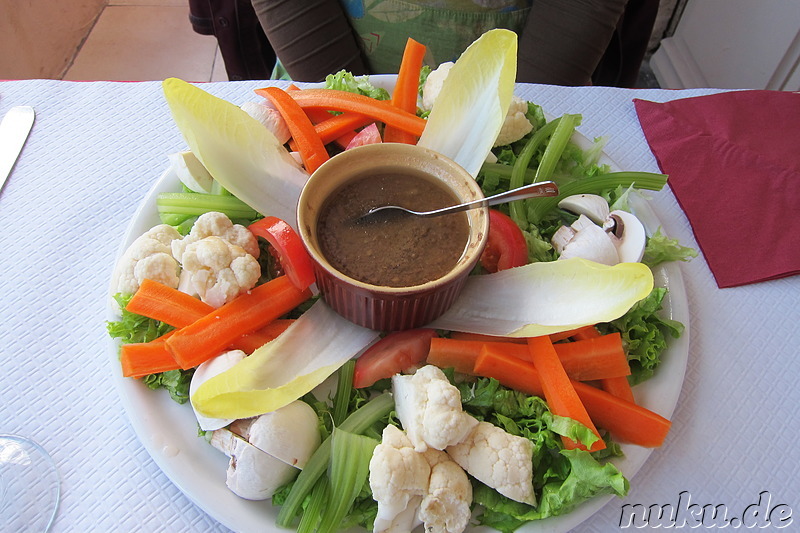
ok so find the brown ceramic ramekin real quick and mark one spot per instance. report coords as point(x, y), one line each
point(378, 307)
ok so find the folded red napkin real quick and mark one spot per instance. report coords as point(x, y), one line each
point(733, 161)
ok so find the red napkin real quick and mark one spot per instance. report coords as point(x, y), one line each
point(733, 161)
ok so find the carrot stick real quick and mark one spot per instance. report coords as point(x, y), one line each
point(406, 89)
point(250, 342)
point(209, 335)
point(581, 360)
point(559, 392)
point(555, 337)
point(464, 336)
point(626, 421)
point(140, 359)
point(311, 148)
point(383, 111)
point(171, 306)
point(596, 358)
point(588, 332)
point(619, 387)
point(339, 128)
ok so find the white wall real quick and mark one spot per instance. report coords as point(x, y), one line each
point(736, 44)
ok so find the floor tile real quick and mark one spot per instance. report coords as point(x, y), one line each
point(139, 43)
point(218, 73)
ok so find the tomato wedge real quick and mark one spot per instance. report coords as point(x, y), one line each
point(292, 253)
point(394, 353)
point(506, 246)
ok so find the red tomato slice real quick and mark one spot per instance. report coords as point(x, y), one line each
point(394, 353)
point(369, 135)
point(292, 254)
point(506, 246)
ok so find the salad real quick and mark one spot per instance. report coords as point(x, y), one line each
point(226, 254)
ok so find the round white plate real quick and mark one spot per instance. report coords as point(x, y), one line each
point(168, 431)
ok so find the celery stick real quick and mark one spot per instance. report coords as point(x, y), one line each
point(595, 185)
point(314, 509)
point(517, 208)
point(350, 457)
point(555, 148)
point(359, 421)
point(194, 203)
point(343, 389)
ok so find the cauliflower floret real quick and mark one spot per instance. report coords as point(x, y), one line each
point(270, 118)
point(446, 506)
point(148, 257)
point(219, 271)
point(516, 125)
point(499, 459)
point(433, 85)
point(398, 477)
point(429, 408)
point(216, 225)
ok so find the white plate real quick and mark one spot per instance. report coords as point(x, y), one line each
point(168, 431)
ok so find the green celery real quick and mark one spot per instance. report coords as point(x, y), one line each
point(595, 185)
point(195, 203)
point(521, 166)
point(359, 421)
point(344, 388)
point(349, 470)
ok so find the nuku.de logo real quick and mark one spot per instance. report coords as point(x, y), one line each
point(685, 514)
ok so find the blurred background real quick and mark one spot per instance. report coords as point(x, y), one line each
point(695, 43)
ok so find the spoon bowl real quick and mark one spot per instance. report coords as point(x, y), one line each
point(534, 190)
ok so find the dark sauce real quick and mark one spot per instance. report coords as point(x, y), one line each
point(394, 251)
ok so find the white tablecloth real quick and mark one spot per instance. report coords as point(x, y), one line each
point(96, 149)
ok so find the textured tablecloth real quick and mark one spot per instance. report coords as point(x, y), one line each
point(96, 149)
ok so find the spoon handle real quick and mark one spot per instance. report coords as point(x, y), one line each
point(542, 188)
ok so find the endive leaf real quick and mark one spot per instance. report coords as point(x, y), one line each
point(281, 371)
point(238, 151)
point(472, 105)
point(543, 298)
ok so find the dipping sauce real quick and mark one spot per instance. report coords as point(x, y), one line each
point(393, 251)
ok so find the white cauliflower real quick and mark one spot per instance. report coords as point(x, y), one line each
point(148, 257)
point(498, 459)
point(516, 125)
point(430, 410)
point(398, 477)
point(433, 85)
point(270, 118)
point(219, 271)
point(446, 505)
point(217, 225)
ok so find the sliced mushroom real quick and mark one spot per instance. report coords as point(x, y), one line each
point(593, 206)
point(627, 234)
point(591, 243)
point(267, 452)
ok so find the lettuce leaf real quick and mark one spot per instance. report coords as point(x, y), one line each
point(660, 249)
point(240, 153)
point(474, 100)
point(345, 81)
point(644, 334)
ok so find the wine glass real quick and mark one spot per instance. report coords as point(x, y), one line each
point(30, 488)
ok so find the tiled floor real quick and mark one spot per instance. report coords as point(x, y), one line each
point(141, 40)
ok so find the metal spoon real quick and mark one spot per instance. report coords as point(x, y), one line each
point(534, 190)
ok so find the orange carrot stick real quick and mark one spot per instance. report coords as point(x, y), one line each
point(339, 128)
point(171, 306)
point(626, 421)
point(619, 387)
point(209, 335)
point(581, 360)
point(250, 342)
point(140, 359)
point(559, 392)
point(311, 148)
point(595, 358)
point(380, 110)
point(588, 332)
point(406, 89)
